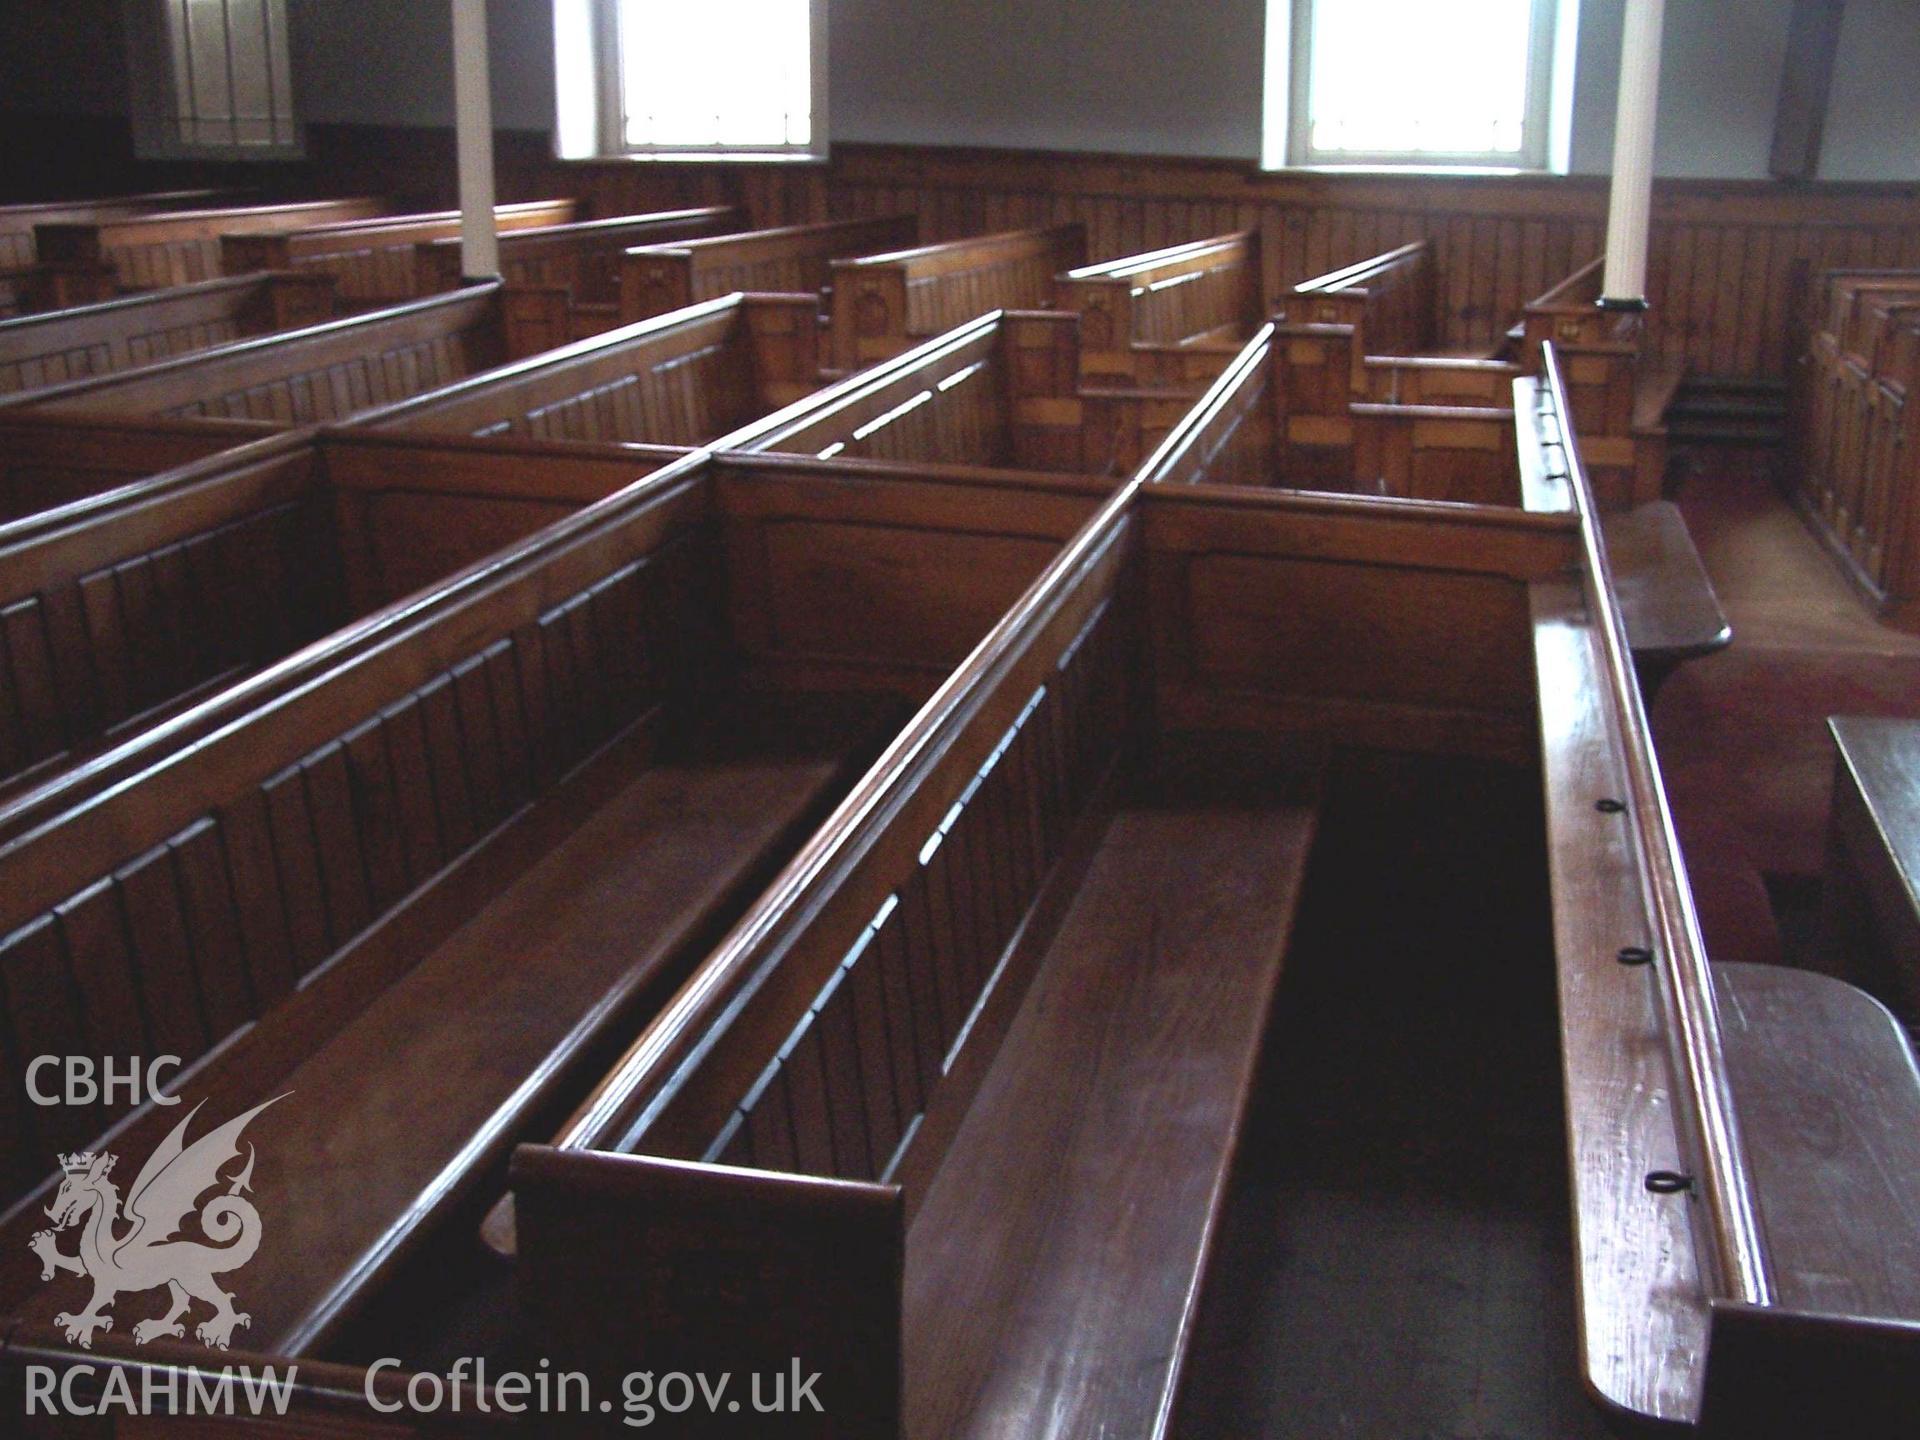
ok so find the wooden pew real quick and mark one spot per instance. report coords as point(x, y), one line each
point(84, 262)
point(323, 373)
point(579, 263)
point(72, 344)
point(880, 1094)
point(1760, 1281)
point(685, 378)
point(1464, 457)
point(655, 279)
point(126, 609)
point(19, 283)
point(1388, 299)
point(883, 304)
point(1000, 391)
point(1854, 476)
point(372, 262)
point(1870, 889)
point(1142, 315)
point(49, 461)
point(519, 812)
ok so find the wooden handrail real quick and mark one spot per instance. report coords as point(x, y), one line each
point(1349, 275)
point(1151, 259)
point(1195, 424)
point(1733, 1259)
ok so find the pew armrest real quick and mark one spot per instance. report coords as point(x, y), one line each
point(633, 1263)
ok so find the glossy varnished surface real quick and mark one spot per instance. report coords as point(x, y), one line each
point(1671, 609)
point(1056, 1305)
point(1872, 899)
point(1830, 1100)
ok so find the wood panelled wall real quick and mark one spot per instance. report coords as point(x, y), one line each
point(1722, 271)
point(1723, 268)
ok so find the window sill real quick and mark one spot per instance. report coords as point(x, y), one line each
point(702, 157)
point(1478, 172)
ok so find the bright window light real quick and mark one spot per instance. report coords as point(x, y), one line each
point(716, 74)
point(1461, 82)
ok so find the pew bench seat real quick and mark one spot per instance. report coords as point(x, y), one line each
point(1053, 1273)
point(519, 965)
point(1672, 612)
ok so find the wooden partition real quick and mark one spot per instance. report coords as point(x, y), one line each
point(578, 264)
point(1388, 300)
point(1854, 433)
point(126, 609)
point(49, 461)
point(18, 222)
point(684, 378)
point(655, 279)
point(1204, 295)
point(92, 261)
point(371, 262)
point(323, 373)
point(1000, 391)
point(67, 345)
point(882, 304)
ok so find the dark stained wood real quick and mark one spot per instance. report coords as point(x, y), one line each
point(655, 279)
point(66, 345)
point(1141, 314)
point(325, 372)
point(372, 261)
point(82, 262)
point(882, 303)
point(680, 379)
point(1672, 612)
point(1800, 119)
point(1871, 929)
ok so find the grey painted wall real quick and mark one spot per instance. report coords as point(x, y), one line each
point(1140, 76)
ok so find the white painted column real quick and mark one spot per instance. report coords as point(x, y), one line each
point(473, 120)
point(1630, 207)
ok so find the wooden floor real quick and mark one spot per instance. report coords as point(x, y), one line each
point(1398, 1260)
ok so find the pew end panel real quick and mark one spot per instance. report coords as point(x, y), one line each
point(1203, 294)
point(655, 279)
point(883, 303)
point(1388, 299)
point(684, 1262)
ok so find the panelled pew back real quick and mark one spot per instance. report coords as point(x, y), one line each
point(578, 264)
point(1773, 1260)
point(684, 378)
point(883, 304)
point(73, 344)
point(497, 828)
point(319, 374)
point(794, 259)
point(1002, 391)
point(372, 262)
point(19, 281)
point(1138, 314)
point(93, 261)
point(865, 1102)
point(49, 461)
point(1855, 435)
point(1283, 414)
point(1388, 299)
point(122, 611)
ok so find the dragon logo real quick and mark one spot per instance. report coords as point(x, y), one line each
point(147, 1253)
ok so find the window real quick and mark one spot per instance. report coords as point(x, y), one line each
point(668, 77)
point(1419, 82)
point(211, 77)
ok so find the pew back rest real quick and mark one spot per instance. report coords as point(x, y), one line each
point(882, 302)
point(50, 461)
point(178, 247)
point(372, 261)
point(17, 222)
point(323, 373)
point(657, 278)
point(1387, 298)
point(1206, 289)
point(679, 379)
point(583, 257)
point(122, 609)
point(42, 350)
point(225, 881)
point(1568, 313)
